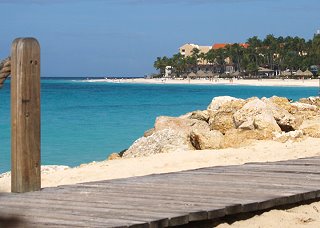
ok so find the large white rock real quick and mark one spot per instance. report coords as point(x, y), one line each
point(256, 111)
point(217, 102)
point(163, 141)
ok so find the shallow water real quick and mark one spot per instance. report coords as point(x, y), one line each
point(85, 121)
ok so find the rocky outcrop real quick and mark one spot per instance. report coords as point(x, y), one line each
point(162, 141)
point(218, 102)
point(286, 121)
point(114, 156)
point(285, 136)
point(205, 139)
point(229, 122)
point(182, 125)
point(239, 137)
point(255, 115)
point(311, 100)
point(199, 115)
point(149, 132)
point(311, 127)
point(312, 130)
point(221, 111)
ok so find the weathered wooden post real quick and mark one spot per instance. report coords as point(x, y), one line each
point(25, 115)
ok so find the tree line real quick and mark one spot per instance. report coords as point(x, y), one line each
point(275, 53)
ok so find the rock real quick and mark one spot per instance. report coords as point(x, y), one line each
point(222, 118)
point(311, 100)
point(200, 115)
point(149, 132)
point(258, 112)
point(217, 102)
point(285, 136)
point(312, 130)
point(179, 124)
point(122, 152)
point(286, 121)
point(204, 139)
point(238, 137)
point(248, 125)
point(114, 156)
point(162, 141)
point(305, 107)
point(283, 103)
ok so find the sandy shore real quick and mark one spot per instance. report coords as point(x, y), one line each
point(220, 81)
point(259, 151)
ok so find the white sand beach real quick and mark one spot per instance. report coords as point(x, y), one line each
point(219, 81)
point(259, 151)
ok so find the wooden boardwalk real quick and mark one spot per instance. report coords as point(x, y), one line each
point(169, 199)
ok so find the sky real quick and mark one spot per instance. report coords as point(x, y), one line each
point(122, 38)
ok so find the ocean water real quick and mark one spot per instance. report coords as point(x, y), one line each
point(86, 121)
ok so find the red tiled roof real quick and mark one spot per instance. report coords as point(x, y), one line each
point(218, 46)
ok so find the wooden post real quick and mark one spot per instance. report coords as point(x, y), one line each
point(25, 115)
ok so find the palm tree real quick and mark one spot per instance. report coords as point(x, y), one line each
point(161, 63)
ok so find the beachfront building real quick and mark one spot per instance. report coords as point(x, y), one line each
point(187, 50)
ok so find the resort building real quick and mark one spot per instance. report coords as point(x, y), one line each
point(186, 49)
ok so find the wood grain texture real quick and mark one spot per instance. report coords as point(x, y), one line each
point(162, 200)
point(25, 115)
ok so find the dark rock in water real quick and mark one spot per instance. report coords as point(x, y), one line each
point(122, 152)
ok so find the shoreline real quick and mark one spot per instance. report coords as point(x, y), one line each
point(219, 81)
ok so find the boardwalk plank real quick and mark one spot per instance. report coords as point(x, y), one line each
point(171, 199)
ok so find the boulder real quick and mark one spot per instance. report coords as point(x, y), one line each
point(222, 118)
point(285, 136)
point(286, 121)
point(114, 156)
point(312, 131)
point(248, 125)
point(311, 100)
point(217, 102)
point(284, 103)
point(305, 107)
point(256, 112)
point(204, 139)
point(179, 124)
point(199, 115)
point(238, 137)
point(162, 141)
point(148, 132)
point(307, 111)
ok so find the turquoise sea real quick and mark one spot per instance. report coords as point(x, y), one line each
point(86, 121)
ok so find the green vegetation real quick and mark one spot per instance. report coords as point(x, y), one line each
point(275, 53)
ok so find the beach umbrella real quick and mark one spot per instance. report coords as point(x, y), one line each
point(308, 73)
point(200, 74)
point(192, 75)
point(299, 73)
